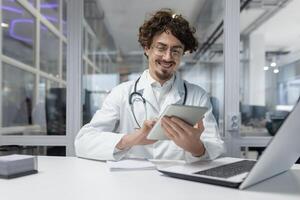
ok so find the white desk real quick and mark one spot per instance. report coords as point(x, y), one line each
point(70, 178)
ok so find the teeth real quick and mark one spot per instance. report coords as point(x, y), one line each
point(166, 64)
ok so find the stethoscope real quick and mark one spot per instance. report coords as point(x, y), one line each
point(141, 98)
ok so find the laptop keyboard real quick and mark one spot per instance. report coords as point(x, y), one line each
point(229, 170)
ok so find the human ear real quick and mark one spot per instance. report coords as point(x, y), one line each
point(146, 50)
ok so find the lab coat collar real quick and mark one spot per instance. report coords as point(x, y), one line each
point(143, 82)
point(144, 87)
point(175, 96)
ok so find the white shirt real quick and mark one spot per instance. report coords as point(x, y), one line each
point(160, 91)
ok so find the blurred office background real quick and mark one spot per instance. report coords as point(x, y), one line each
point(34, 50)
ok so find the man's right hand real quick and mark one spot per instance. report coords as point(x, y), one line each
point(139, 137)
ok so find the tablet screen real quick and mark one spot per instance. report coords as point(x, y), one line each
point(189, 114)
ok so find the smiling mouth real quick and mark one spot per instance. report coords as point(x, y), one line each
point(165, 64)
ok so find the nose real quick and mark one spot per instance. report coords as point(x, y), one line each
point(167, 55)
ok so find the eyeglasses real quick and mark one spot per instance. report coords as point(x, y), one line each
point(161, 50)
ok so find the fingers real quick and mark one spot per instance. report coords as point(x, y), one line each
point(175, 126)
point(182, 124)
point(144, 131)
point(182, 129)
point(200, 126)
point(188, 128)
point(172, 129)
point(149, 123)
point(141, 138)
point(168, 131)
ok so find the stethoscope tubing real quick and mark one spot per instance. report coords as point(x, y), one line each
point(135, 93)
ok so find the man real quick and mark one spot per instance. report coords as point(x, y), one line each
point(120, 128)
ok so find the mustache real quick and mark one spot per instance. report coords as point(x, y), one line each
point(164, 61)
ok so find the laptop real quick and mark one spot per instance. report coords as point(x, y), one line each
point(279, 156)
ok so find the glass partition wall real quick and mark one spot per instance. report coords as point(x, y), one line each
point(207, 66)
point(34, 64)
point(100, 72)
point(113, 55)
point(33, 77)
point(270, 69)
point(37, 60)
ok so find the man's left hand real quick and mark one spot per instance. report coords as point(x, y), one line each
point(184, 135)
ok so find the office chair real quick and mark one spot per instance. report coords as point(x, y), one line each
point(215, 108)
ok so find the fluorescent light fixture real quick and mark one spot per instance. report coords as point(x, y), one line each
point(266, 68)
point(276, 71)
point(4, 25)
point(285, 107)
point(273, 64)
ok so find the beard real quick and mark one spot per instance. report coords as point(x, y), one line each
point(164, 74)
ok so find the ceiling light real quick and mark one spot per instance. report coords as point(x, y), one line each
point(273, 64)
point(266, 68)
point(4, 25)
point(276, 71)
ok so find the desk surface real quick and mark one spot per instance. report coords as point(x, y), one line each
point(71, 178)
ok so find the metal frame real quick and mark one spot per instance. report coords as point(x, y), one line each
point(41, 140)
point(74, 72)
point(0, 70)
point(90, 62)
point(37, 55)
point(231, 74)
point(60, 58)
point(233, 140)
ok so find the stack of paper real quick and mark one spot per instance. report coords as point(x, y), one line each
point(13, 166)
point(131, 164)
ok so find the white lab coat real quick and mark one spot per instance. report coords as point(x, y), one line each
point(98, 139)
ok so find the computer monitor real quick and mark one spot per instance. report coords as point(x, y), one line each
point(56, 117)
point(251, 113)
point(56, 111)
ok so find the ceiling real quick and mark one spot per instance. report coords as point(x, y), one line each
point(282, 31)
point(278, 21)
point(270, 17)
point(123, 18)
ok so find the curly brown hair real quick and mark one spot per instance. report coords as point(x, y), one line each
point(166, 20)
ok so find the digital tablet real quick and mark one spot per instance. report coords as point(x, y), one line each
point(189, 114)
